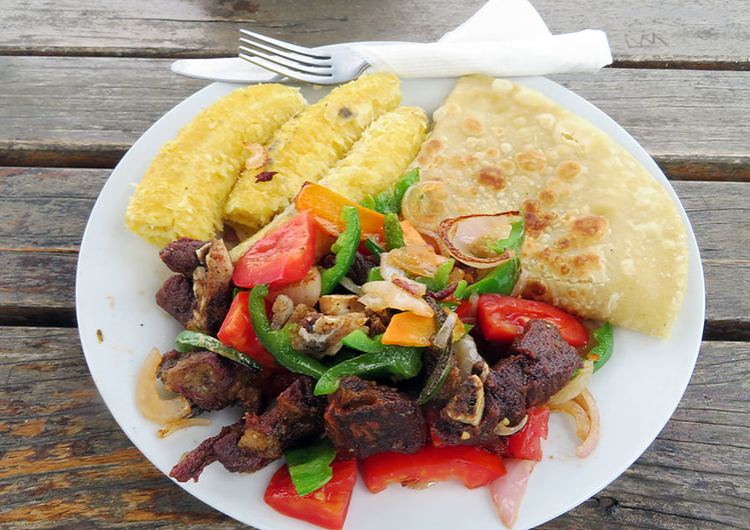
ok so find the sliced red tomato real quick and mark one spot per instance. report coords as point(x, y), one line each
point(326, 507)
point(473, 466)
point(467, 312)
point(284, 256)
point(237, 331)
point(526, 444)
point(502, 318)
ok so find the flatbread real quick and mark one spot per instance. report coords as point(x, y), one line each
point(604, 239)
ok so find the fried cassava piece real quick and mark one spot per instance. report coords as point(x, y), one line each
point(306, 147)
point(375, 161)
point(183, 192)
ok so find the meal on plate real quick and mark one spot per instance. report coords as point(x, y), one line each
point(378, 300)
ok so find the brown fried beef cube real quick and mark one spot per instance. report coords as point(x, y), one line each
point(548, 362)
point(181, 256)
point(209, 381)
point(539, 365)
point(364, 418)
point(296, 415)
point(176, 298)
point(222, 448)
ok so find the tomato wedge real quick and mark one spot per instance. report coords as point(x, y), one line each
point(502, 318)
point(284, 256)
point(473, 466)
point(237, 331)
point(326, 507)
point(526, 444)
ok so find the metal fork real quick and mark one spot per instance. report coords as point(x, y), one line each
point(324, 65)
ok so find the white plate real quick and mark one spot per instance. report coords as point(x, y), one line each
point(118, 275)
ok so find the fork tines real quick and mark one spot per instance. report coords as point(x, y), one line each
point(282, 57)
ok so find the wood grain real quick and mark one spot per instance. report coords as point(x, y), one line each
point(68, 465)
point(86, 112)
point(677, 33)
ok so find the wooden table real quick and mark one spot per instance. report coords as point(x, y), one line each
point(81, 80)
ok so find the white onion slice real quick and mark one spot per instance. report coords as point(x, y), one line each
point(423, 204)
point(507, 491)
point(505, 430)
point(434, 240)
point(381, 295)
point(586, 400)
point(446, 331)
point(467, 355)
point(581, 417)
point(183, 423)
point(147, 398)
point(576, 385)
point(466, 235)
point(305, 291)
point(348, 284)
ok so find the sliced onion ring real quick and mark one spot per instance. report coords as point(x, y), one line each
point(581, 417)
point(462, 233)
point(587, 402)
point(445, 333)
point(147, 398)
point(504, 430)
point(576, 385)
point(173, 426)
point(507, 491)
point(433, 239)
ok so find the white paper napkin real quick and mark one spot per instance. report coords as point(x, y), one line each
point(504, 38)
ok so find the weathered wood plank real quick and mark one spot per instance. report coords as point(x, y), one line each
point(49, 118)
point(67, 464)
point(697, 33)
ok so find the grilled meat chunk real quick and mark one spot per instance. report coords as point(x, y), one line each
point(212, 286)
point(467, 405)
point(200, 295)
point(176, 298)
point(210, 381)
point(180, 256)
point(364, 418)
point(319, 335)
point(221, 448)
point(251, 445)
point(340, 304)
point(539, 365)
point(550, 361)
point(297, 414)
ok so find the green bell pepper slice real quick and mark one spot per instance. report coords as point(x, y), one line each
point(345, 249)
point(310, 466)
point(390, 199)
point(439, 281)
point(374, 275)
point(189, 340)
point(279, 341)
point(394, 235)
point(605, 344)
point(515, 239)
point(373, 247)
point(501, 280)
point(378, 360)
